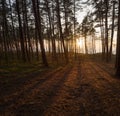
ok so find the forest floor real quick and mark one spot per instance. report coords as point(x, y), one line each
point(85, 88)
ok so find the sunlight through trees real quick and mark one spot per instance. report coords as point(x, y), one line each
point(33, 30)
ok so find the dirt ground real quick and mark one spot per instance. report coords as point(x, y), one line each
point(80, 89)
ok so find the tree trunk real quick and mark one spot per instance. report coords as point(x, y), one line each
point(86, 49)
point(118, 46)
point(21, 32)
point(37, 16)
point(13, 31)
point(112, 33)
point(106, 31)
point(60, 30)
point(5, 30)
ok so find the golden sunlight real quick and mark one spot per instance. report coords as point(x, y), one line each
point(79, 43)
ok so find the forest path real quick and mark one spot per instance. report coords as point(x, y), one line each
point(80, 89)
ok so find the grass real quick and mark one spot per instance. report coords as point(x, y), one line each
point(20, 68)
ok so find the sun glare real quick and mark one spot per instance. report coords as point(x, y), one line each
point(79, 42)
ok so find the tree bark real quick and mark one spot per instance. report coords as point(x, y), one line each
point(112, 31)
point(21, 32)
point(106, 31)
point(118, 45)
point(37, 16)
point(60, 30)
